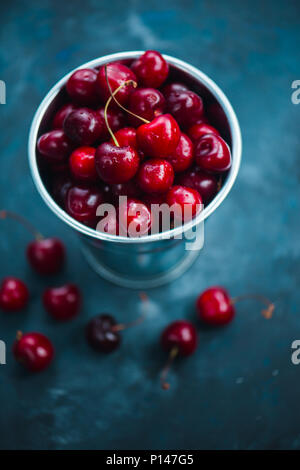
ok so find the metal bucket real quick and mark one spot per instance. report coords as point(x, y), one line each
point(158, 258)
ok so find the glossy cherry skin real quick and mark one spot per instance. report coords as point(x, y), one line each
point(160, 137)
point(205, 183)
point(174, 87)
point(147, 103)
point(201, 129)
point(82, 203)
point(134, 219)
point(82, 164)
point(116, 121)
point(180, 334)
point(116, 164)
point(55, 146)
point(60, 186)
point(46, 256)
point(214, 306)
point(81, 87)
point(117, 74)
point(62, 303)
point(61, 115)
point(100, 334)
point(183, 156)
point(155, 176)
point(185, 106)
point(83, 126)
point(14, 294)
point(34, 351)
point(186, 202)
point(151, 69)
point(126, 137)
point(212, 153)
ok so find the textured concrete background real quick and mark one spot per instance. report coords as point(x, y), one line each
point(240, 390)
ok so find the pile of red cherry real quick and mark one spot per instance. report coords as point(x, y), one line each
point(46, 256)
point(128, 130)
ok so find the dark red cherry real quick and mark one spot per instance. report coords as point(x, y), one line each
point(33, 350)
point(134, 218)
point(160, 137)
point(60, 186)
point(126, 137)
point(116, 164)
point(179, 338)
point(62, 303)
point(155, 176)
point(151, 69)
point(81, 87)
point(154, 198)
point(55, 146)
point(61, 115)
point(101, 335)
point(116, 121)
point(212, 153)
point(205, 183)
point(186, 107)
point(199, 130)
point(46, 255)
point(83, 126)
point(183, 156)
point(129, 189)
point(117, 74)
point(186, 202)
point(174, 87)
point(82, 203)
point(215, 307)
point(147, 103)
point(82, 164)
point(14, 294)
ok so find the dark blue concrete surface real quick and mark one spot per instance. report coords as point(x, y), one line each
point(240, 390)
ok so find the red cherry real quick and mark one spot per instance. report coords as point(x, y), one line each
point(214, 306)
point(151, 69)
point(185, 106)
point(146, 103)
point(34, 351)
point(14, 294)
point(83, 126)
point(180, 338)
point(205, 183)
point(46, 256)
point(201, 129)
point(212, 153)
point(61, 115)
point(186, 202)
point(174, 87)
point(129, 189)
point(62, 303)
point(154, 198)
point(183, 156)
point(116, 164)
point(102, 335)
point(134, 219)
point(126, 137)
point(155, 176)
point(82, 164)
point(160, 137)
point(60, 186)
point(115, 119)
point(82, 203)
point(117, 74)
point(81, 87)
point(55, 146)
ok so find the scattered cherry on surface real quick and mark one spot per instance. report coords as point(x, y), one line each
point(151, 69)
point(62, 303)
point(81, 87)
point(82, 164)
point(212, 153)
point(155, 176)
point(179, 338)
point(33, 350)
point(14, 294)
